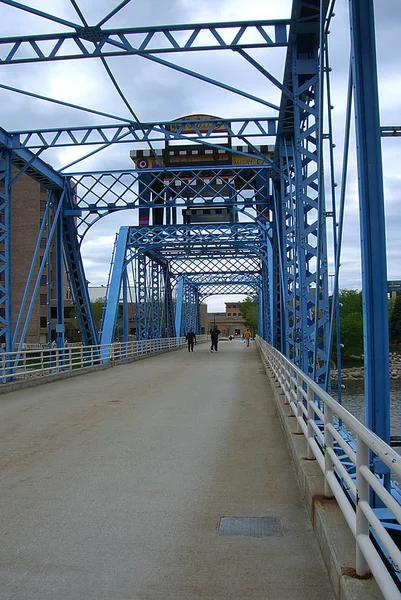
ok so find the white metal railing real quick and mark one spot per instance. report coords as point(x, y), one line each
point(318, 415)
point(15, 366)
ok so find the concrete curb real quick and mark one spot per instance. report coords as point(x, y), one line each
point(334, 537)
point(42, 379)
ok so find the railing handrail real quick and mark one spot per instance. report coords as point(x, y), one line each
point(312, 405)
point(53, 360)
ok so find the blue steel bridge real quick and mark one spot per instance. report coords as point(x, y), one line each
point(222, 205)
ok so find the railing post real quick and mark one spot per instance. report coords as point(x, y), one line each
point(299, 403)
point(328, 445)
point(362, 490)
point(311, 416)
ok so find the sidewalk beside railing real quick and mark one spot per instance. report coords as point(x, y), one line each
point(30, 364)
point(346, 455)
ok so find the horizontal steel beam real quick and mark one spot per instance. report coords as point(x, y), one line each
point(95, 42)
point(143, 132)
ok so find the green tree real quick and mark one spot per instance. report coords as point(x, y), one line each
point(391, 303)
point(351, 301)
point(249, 310)
point(97, 309)
point(351, 322)
point(395, 323)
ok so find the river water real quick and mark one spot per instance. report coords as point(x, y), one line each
point(353, 400)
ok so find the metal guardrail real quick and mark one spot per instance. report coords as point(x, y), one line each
point(16, 366)
point(319, 417)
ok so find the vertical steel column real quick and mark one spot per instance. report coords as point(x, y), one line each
point(371, 206)
point(311, 299)
point(60, 326)
point(5, 253)
point(125, 305)
point(156, 302)
point(187, 307)
point(179, 307)
point(142, 332)
point(168, 305)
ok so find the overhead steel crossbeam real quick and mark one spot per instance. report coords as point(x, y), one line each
point(217, 264)
point(94, 42)
point(98, 194)
point(213, 278)
point(132, 133)
point(227, 288)
point(178, 240)
point(210, 284)
point(300, 196)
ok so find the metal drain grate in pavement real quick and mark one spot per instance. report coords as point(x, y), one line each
point(251, 526)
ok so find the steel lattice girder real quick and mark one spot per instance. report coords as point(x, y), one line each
point(97, 194)
point(5, 254)
point(301, 210)
point(217, 264)
point(94, 42)
point(133, 133)
point(210, 284)
point(175, 240)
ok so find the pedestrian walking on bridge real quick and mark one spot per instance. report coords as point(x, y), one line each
point(247, 337)
point(191, 339)
point(214, 335)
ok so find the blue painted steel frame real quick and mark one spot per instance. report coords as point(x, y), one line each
point(372, 220)
point(5, 254)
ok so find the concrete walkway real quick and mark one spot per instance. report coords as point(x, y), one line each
point(113, 485)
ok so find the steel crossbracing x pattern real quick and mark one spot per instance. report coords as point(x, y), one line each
point(244, 189)
point(285, 194)
point(161, 246)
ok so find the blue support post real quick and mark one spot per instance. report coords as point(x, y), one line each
point(372, 221)
point(60, 326)
point(113, 295)
point(179, 307)
point(5, 255)
point(125, 306)
point(142, 330)
point(168, 305)
point(155, 316)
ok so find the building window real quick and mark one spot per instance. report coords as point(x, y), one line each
point(228, 314)
point(43, 322)
point(234, 314)
point(43, 299)
point(43, 189)
point(43, 280)
point(43, 205)
point(43, 242)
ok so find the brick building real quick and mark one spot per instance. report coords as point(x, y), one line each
point(230, 322)
point(29, 203)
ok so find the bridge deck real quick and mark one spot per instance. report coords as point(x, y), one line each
point(113, 485)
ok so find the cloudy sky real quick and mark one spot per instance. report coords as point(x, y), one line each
point(156, 93)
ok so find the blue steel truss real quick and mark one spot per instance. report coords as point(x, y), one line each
point(133, 133)
point(95, 42)
point(277, 230)
point(273, 248)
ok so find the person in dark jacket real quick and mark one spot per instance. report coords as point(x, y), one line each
point(214, 335)
point(191, 339)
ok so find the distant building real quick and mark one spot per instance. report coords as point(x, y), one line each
point(230, 322)
point(29, 202)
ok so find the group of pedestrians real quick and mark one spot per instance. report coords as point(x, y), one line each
point(214, 336)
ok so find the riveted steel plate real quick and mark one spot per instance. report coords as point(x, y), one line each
point(251, 526)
